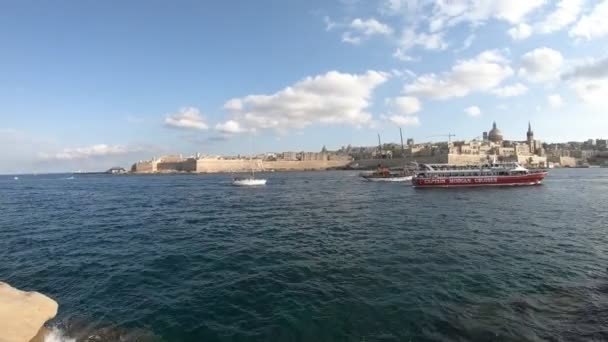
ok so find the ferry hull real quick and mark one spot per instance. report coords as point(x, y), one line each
point(478, 181)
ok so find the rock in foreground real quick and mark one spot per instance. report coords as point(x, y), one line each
point(23, 314)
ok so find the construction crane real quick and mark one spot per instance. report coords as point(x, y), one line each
point(449, 135)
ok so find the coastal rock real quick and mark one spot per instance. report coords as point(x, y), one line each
point(23, 314)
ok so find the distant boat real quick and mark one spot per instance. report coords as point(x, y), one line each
point(71, 177)
point(16, 178)
point(383, 174)
point(251, 180)
point(388, 177)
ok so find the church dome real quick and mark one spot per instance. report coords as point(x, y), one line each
point(495, 135)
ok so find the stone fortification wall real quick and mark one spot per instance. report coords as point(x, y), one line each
point(535, 161)
point(287, 165)
point(188, 165)
point(244, 165)
point(563, 161)
point(224, 165)
point(465, 159)
point(144, 167)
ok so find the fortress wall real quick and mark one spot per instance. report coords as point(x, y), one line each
point(144, 167)
point(532, 160)
point(224, 165)
point(188, 165)
point(464, 159)
point(289, 165)
point(244, 165)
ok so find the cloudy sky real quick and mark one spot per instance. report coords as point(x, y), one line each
point(92, 84)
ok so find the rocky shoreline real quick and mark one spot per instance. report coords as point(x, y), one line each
point(23, 314)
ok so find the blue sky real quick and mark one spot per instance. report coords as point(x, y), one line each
point(91, 84)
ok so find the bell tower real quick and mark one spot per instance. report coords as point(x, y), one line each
point(530, 138)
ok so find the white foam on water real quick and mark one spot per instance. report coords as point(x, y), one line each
point(56, 335)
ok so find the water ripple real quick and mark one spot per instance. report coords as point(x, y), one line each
point(311, 257)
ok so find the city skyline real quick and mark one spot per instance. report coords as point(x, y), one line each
point(92, 85)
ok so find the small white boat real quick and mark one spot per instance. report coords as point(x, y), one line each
point(16, 178)
point(383, 174)
point(249, 181)
point(392, 178)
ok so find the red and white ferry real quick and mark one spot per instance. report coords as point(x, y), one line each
point(490, 174)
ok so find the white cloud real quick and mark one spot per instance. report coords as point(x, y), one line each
point(453, 12)
point(230, 127)
point(520, 32)
point(348, 37)
point(482, 73)
point(473, 111)
point(592, 91)
point(233, 105)
point(510, 90)
point(467, 42)
point(402, 56)
point(329, 24)
point(331, 98)
point(589, 80)
point(564, 14)
point(402, 110)
point(403, 73)
point(396, 6)
point(555, 101)
point(405, 104)
point(404, 120)
point(594, 24)
point(594, 69)
point(370, 27)
point(187, 117)
point(429, 41)
point(99, 150)
point(541, 65)
point(362, 29)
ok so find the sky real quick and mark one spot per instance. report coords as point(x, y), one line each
point(87, 85)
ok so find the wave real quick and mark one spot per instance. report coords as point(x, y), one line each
point(72, 330)
point(57, 335)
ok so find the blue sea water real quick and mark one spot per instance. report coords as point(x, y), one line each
point(317, 256)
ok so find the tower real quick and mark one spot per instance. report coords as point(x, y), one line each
point(530, 138)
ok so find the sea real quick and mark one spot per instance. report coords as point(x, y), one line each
point(312, 256)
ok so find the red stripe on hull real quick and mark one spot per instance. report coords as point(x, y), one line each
point(461, 182)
